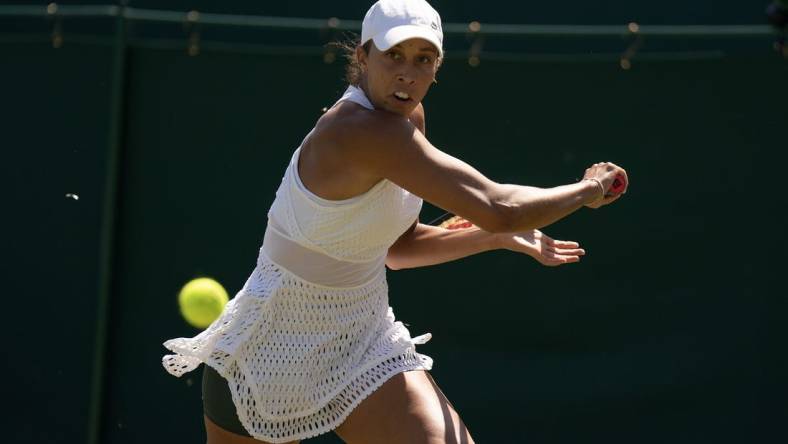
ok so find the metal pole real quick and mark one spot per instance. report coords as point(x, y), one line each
point(107, 241)
point(523, 30)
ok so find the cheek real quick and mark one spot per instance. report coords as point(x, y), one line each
point(427, 71)
point(381, 70)
point(427, 75)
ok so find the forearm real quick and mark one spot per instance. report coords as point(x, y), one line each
point(430, 245)
point(531, 208)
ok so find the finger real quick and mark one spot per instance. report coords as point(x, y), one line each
point(571, 252)
point(566, 244)
point(550, 262)
point(620, 171)
point(560, 258)
point(567, 251)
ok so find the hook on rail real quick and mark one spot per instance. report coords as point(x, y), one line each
point(477, 40)
point(191, 27)
point(57, 25)
point(625, 62)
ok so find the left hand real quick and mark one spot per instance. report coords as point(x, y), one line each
point(546, 250)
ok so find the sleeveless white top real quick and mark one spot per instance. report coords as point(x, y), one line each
point(311, 334)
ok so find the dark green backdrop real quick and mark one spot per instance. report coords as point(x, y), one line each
point(671, 329)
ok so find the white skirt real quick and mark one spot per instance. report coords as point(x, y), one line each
point(298, 356)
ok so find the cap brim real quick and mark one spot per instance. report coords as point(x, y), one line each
point(399, 34)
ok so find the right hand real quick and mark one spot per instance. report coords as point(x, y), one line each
point(605, 173)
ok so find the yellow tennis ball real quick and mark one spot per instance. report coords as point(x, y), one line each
point(201, 301)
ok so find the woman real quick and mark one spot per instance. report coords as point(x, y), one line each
point(309, 344)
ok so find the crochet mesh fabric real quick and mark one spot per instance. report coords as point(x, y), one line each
point(299, 356)
point(356, 232)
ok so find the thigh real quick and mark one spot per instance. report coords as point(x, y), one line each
point(409, 407)
point(218, 435)
point(217, 402)
point(222, 425)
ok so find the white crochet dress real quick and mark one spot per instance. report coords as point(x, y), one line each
point(298, 354)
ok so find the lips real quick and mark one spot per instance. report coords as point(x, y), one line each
point(402, 96)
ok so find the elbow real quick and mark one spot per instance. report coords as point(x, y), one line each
point(512, 219)
point(391, 266)
point(502, 219)
point(394, 266)
point(392, 263)
point(499, 215)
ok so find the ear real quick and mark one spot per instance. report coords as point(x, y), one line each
point(361, 56)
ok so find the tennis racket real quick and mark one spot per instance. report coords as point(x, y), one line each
point(451, 221)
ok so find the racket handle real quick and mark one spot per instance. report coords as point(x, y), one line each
point(462, 224)
point(619, 184)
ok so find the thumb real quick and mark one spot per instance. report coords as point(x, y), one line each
point(611, 199)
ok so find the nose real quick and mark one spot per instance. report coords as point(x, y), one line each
point(406, 77)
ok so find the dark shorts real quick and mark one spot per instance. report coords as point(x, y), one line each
point(217, 402)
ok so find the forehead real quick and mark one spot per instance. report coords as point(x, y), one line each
point(417, 44)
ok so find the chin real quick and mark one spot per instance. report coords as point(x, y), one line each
point(404, 109)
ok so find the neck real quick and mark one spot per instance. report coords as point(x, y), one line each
point(363, 86)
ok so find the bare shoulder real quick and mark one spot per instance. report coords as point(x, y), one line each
point(355, 135)
point(370, 145)
point(352, 120)
point(350, 126)
point(332, 163)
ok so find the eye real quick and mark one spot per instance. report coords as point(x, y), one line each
point(425, 59)
point(394, 55)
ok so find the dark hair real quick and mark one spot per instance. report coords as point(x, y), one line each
point(353, 67)
point(348, 46)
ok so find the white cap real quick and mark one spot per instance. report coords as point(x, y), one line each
point(389, 22)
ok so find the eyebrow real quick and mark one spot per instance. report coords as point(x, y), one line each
point(426, 48)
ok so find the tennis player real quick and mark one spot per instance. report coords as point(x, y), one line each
point(310, 345)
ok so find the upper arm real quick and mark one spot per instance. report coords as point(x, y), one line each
point(390, 146)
